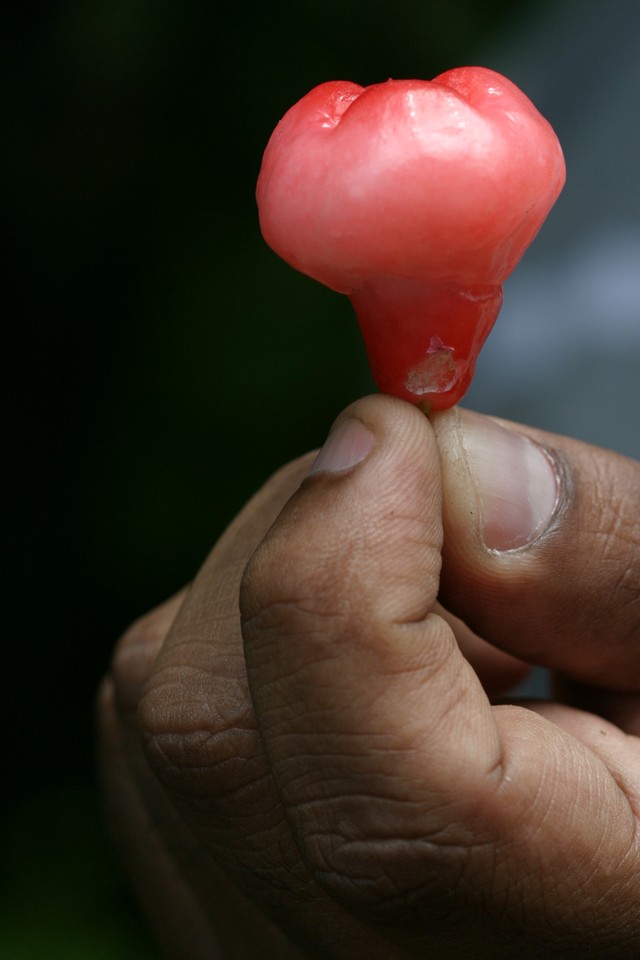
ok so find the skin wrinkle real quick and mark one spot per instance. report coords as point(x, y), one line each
point(613, 520)
point(583, 907)
point(434, 900)
point(312, 596)
point(627, 586)
point(179, 676)
point(256, 878)
point(334, 653)
point(204, 738)
point(401, 748)
point(207, 763)
point(379, 885)
point(421, 677)
point(620, 534)
point(327, 578)
point(176, 755)
point(181, 737)
point(609, 765)
point(384, 864)
point(199, 634)
point(426, 664)
point(611, 544)
point(333, 787)
point(323, 579)
point(269, 617)
point(589, 859)
point(517, 720)
point(306, 834)
point(433, 803)
point(259, 846)
point(369, 843)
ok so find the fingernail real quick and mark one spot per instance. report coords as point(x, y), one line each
point(347, 445)
point(516, 482)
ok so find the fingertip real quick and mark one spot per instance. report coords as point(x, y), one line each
point(387, 509)
point(348, 443)
point(388, 419)
point(363, 533)
point(503, 486)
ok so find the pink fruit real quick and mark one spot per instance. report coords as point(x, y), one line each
point(417, 199)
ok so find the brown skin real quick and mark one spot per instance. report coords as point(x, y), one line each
point(324, 776)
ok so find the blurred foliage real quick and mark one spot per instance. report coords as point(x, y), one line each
point(65, 897)
point(166, 361)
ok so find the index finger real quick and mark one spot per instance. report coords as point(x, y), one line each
point(561, 590)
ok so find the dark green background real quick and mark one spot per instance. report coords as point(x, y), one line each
point(164, 361)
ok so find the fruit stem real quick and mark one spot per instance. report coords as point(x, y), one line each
point(422, 339)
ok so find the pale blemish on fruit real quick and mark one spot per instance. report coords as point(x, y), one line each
point(438, 372)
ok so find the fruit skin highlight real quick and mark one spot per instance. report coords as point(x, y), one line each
point(417, 199)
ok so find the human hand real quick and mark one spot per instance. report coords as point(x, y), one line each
point(339, 784)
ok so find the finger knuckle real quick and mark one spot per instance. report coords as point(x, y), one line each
point(391, 878)
point(200, 737)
